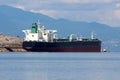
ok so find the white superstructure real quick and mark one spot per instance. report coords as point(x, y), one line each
point(39, 33)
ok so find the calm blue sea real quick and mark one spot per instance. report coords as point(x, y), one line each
point(59, 66)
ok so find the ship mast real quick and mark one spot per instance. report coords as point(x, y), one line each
point(38, 23)
point(92, 35)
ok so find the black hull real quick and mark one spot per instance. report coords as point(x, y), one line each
point(77, 46)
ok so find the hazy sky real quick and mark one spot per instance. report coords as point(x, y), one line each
point(102, 11)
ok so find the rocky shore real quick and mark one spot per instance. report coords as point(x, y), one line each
point(11, 44)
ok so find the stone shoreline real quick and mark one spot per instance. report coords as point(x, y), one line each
point(11, 44)
point(13, 50)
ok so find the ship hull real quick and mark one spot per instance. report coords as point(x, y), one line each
point(77, 46)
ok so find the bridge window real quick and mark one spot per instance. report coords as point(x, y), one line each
point(32, 35)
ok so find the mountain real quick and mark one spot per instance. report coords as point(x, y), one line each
point(14, 20)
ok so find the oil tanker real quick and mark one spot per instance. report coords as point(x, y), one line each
point(39, 39)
